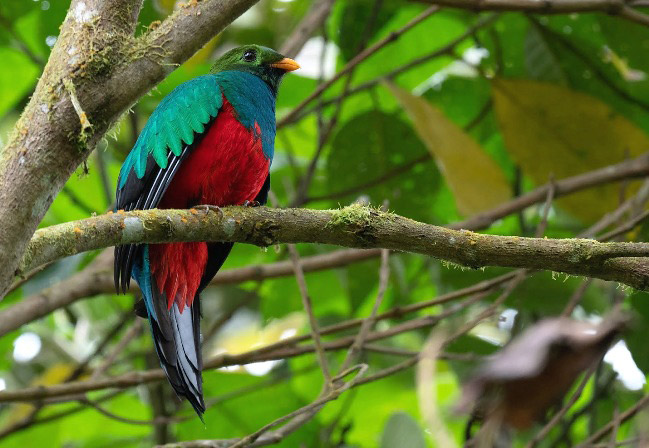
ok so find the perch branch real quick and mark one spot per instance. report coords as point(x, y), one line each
point(353, 226)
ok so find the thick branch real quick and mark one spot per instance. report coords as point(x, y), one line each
point(353, 226)
point(97, 278)
point(96, 70)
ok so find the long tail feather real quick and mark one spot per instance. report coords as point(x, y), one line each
point(176, 336)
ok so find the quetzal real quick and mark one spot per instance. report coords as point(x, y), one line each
point(209, 142)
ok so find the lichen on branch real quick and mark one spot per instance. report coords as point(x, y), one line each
point(353, 226)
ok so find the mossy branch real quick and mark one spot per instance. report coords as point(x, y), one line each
point(97, 69)
point(353, 226)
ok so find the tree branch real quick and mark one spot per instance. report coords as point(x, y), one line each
point(353, 226)
point(97, 278)
point(97, 60)
point(314, 18)
point(284, 348)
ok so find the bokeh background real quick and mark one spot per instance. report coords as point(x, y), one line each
point(462, 112)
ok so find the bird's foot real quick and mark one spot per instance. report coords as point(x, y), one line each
point(209, 207)
point(251, 204)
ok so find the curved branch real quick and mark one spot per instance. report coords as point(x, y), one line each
point(97, 278)
point(96, 70)
point(353, 226)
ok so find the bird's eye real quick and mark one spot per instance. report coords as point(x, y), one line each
point(249, 55)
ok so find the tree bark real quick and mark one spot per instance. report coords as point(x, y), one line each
point(96, 71)
point(353, 226)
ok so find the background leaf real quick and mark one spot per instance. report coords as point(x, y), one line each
point(476, 181)
point(553, 131)
point(401, 430)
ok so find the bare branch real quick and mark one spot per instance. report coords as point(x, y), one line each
point(313, 322)
point(314, 18)
point(366, 326)
point(280, 350)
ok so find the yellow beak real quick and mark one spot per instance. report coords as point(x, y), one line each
point(287, 64)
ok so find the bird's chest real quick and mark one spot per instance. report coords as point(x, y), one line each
point(228, 167)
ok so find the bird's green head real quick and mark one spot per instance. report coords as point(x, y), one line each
point(263, 62)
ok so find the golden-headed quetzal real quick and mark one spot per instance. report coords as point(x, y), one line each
point(209, 142)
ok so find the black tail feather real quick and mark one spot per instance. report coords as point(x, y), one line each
point(176, 338)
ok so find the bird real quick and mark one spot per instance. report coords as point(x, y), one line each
point(209, 143)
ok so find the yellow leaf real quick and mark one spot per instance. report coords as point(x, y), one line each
point(552, 130)
point(476, 181)
point(253, 335)
point(56, 374)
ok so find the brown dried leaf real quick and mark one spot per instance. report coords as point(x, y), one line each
point(533, 372)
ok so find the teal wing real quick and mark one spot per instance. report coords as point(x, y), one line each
point(173, 130)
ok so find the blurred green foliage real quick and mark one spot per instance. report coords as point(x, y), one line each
point(587, 61)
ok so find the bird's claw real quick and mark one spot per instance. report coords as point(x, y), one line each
point(251, 204)
point(209, 207)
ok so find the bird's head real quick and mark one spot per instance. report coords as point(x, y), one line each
point(263, 62)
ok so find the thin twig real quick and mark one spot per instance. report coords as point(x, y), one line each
point(542, 434)
point(576, 297)
point(306, 302)
point(624, 416)
point(626, 227)
point(427, 390)
point(310, 409)
point(392, 37)
point(106, 185)
point(366, 326)
point(131, 334)
point(636, 201)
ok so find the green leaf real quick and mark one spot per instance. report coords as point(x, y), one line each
point(402, 431)
point(550, 130)
point(541, 62)
point(17, 82)
point(355, 18)
point(386, 143)
point(636, 340)
point(476, 181)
